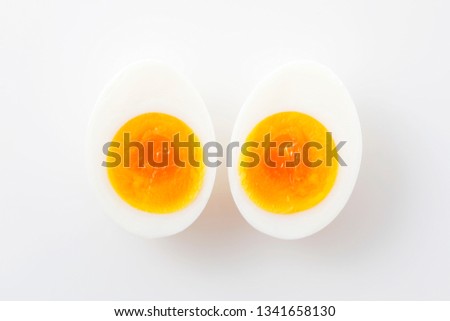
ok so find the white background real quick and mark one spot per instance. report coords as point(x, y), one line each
point(392, 240)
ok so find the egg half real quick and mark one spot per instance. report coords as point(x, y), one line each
point(146, 184)
point(300, 151)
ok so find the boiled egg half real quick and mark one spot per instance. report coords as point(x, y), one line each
point(300, 151)
point(145, 147)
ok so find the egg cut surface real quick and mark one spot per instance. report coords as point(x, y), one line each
point(300, 152)
point(146, 183)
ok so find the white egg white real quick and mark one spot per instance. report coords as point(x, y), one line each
point(143, 87)
point(313, 89)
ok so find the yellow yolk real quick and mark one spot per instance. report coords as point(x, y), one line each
point(278, 183)
point(149, 178)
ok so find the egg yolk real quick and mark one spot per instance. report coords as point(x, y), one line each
point(150, 176)
point(293, 173)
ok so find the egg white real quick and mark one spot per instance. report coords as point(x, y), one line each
point(313, 89)
point(143, 87)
